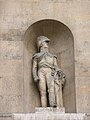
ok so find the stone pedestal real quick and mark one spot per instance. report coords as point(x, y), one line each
point(50, 110)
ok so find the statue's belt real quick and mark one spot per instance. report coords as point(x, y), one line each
point(46, 65)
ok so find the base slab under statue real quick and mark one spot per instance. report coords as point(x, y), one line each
point(50, 110)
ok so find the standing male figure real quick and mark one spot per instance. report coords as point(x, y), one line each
point(47, 74)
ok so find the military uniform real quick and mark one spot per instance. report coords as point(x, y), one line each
point(44, 62)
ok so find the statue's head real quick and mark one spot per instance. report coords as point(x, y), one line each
point(42, 41)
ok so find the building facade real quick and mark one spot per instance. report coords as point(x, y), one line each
point(67, 24)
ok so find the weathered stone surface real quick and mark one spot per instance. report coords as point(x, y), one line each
point(11, 75)
point(11, 86)
point(11, 50)
point(11, 35)
point(9, 103)
point(6, 116)
point(83, 86)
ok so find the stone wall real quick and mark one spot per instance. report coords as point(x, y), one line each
point(15, 18)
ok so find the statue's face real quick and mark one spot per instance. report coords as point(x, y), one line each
point(44, 46)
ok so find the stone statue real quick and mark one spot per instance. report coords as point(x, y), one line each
point(51, 79)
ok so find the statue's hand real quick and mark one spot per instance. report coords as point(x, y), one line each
point(36, 79)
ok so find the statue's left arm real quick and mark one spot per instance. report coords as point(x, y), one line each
point(55, 64)
point(59, 72)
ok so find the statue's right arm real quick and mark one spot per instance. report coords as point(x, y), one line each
point(35, 70)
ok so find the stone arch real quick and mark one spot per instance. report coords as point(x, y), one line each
point(62, 44)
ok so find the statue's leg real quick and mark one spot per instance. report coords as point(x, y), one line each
point(42, 88)
point(57, 95)
point(50, 85)
point(61, 96)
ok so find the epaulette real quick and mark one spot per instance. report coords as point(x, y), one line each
point(37, 55)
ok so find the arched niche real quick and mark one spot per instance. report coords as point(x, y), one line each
point(62, 44)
